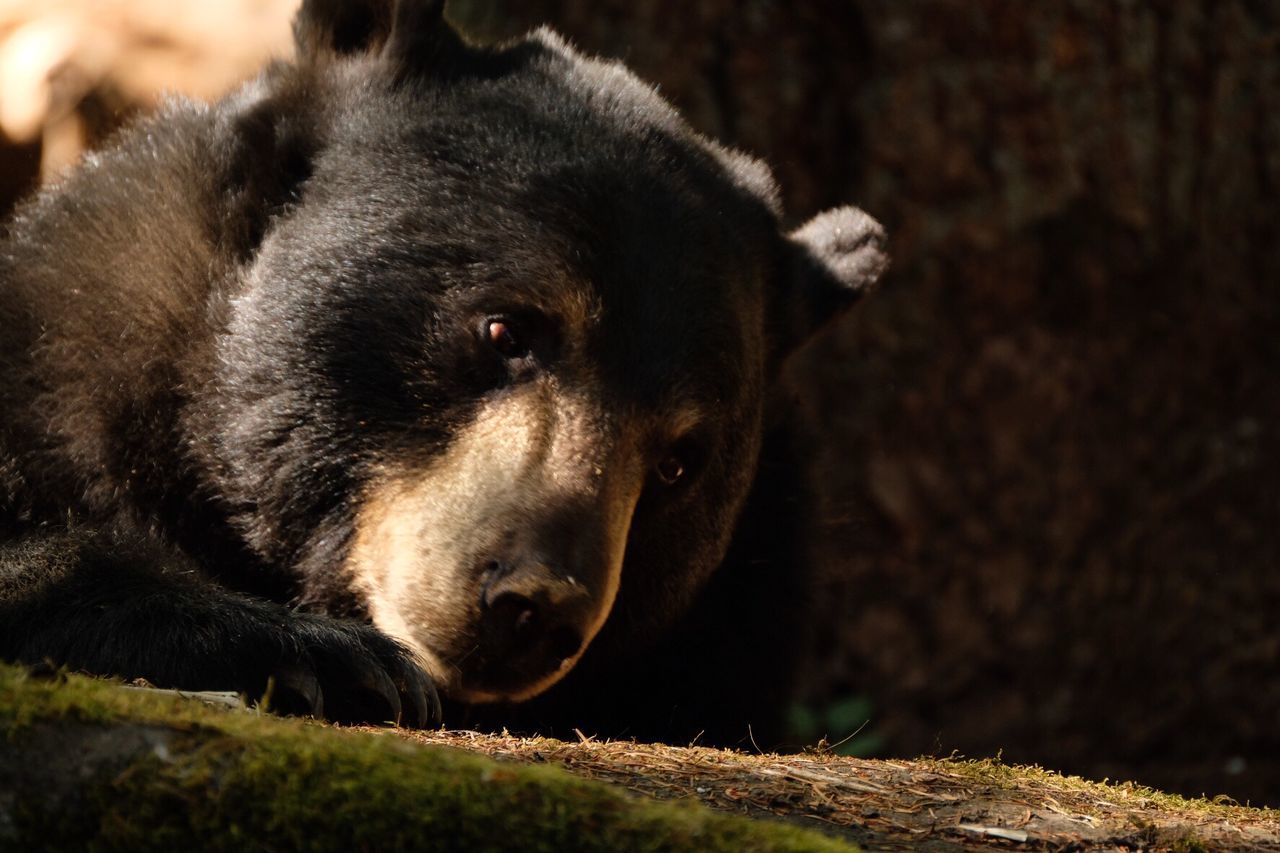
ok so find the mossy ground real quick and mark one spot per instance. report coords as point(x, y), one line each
point(85, 763)
point(995, 772)
point(149, 772)
point(945, 804)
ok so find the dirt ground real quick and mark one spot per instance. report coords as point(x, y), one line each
point(899, 805)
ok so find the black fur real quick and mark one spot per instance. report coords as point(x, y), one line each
point(218, 330)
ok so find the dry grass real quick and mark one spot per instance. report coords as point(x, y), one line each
point(889, 805)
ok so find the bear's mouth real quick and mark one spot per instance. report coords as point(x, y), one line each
point(502, 633)
point(499, 559)
point(531, 624)
point(485, 670)
point(526, 628)
point(510, 678)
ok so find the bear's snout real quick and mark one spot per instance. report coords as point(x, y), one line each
point(534, 618)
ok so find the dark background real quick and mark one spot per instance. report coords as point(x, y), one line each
point(1049, 455)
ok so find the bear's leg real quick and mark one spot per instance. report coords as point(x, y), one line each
point(122, 605)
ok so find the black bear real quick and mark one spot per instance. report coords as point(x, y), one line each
point(410, 366)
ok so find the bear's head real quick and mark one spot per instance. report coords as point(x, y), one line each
point(494, 367)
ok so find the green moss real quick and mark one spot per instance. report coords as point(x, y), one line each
point(1189, 843)
point(994, 772)
point(226, 780)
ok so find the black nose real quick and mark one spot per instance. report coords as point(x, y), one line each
point(521, 625)
point(533, 619)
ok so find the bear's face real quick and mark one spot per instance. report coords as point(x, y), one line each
point(497, 374)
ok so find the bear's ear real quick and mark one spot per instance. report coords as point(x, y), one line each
point(408, 32)
point(833, 260)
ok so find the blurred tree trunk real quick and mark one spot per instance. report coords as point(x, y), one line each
point(1051, 465)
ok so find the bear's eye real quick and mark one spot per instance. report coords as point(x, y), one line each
point(503, 337)
point(671, 469)
point(681, 460)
